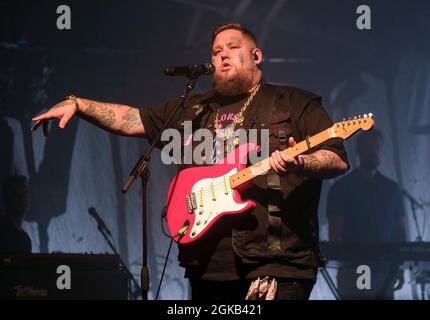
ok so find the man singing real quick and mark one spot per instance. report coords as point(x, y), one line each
point(271, 252)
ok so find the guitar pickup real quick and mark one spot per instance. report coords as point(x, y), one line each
point(191, 203)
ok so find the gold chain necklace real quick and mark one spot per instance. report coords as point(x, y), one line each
point(239, 118)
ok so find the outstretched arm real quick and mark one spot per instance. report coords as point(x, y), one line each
point(116, 118)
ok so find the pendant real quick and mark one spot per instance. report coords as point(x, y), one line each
point(236, 141)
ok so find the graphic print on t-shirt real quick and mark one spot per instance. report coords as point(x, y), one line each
point(226, 133)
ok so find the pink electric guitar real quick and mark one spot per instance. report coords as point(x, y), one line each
point(198, 197)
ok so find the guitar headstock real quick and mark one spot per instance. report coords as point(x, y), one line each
point(346, 128)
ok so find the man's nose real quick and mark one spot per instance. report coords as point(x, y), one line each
point(225, 54)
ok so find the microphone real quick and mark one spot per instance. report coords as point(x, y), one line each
point(193, 71)
point(100, 223)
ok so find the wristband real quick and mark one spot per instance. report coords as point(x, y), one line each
point(301, 162)
point(75, 100)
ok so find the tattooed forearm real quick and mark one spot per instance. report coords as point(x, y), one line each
point(324, 164)
point(131, 120)
point(116, 118)
point(318, 164)
point(101, 115)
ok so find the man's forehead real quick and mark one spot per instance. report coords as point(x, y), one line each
point(230, 35)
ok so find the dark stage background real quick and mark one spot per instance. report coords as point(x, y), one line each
point(116, 51)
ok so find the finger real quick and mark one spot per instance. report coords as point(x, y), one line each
point(45, 127)
point(278, 165)
point(272, 165)
point(278, 158)
point(287, 159)
point(53, 113)
point(36, 126)
point(280, 168)
point(291, 142)
point(66, 117)
point(42, 116)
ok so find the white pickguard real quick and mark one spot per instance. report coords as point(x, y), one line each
point(208, 208)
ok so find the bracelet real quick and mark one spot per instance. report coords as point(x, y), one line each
point(75, 100)
point(301, 162)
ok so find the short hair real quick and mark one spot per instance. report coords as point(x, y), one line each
point(365, 137)
point(9, 183)
point(234, 26)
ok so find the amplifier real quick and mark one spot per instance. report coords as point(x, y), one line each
point(63, 276)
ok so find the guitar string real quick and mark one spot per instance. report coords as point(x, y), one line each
point(220, 183)
point(208, 190)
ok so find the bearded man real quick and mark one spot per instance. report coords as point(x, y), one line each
point(272, 251)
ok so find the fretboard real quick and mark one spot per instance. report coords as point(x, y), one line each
point(263, 166)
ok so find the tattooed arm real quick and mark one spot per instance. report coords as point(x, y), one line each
point(323, 164)
point(115, 118)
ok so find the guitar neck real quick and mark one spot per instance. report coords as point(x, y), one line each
point(261, 168)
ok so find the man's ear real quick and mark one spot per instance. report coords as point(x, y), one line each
point(257, 55)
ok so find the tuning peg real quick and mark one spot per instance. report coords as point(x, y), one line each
point(370, 115)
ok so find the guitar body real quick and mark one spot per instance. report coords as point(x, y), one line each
point(198, 197)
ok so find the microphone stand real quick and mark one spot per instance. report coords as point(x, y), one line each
point(141, 170)
point(414, 205)
point(105, 233)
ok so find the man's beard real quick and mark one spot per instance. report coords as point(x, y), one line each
point(232, 86)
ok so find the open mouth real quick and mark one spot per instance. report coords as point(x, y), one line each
point(226, 66)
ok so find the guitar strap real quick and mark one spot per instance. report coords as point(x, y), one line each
point(266, 102)
point(274, 187)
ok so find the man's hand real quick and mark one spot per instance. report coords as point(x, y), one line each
point(321, 163)
point(63, 111)
point(115, 118)
point(282, 164)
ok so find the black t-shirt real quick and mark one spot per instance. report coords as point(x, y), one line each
point(12, 239)
point(226, 131)
point(225, 257)
point(224, 263)
point(373, 204)
point(370, 208)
